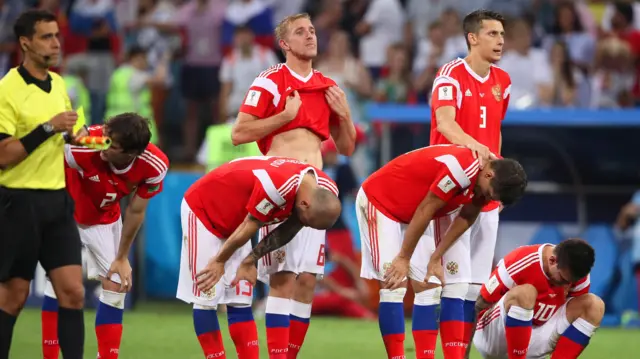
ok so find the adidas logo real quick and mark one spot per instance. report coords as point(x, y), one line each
point(94, 178)
point(467, 93)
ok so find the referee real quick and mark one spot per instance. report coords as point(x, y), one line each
point(36, 213)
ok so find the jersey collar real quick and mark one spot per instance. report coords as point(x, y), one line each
point(29, 79)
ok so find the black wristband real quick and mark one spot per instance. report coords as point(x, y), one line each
point(35, 138)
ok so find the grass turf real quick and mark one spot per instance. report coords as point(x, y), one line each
point(165, 331)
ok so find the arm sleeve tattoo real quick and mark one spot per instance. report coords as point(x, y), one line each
point(277, 239)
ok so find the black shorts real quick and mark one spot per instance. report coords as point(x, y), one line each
point(36, 226)
point(200, 83)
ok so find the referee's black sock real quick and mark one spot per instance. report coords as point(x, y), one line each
point(7, 322)
point(71, 332)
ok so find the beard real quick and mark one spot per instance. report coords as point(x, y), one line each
point(301, 56)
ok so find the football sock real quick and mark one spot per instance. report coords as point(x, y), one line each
point(277, 315)
point(7, 321)
point(71, 332)
point(205, 322)
point(425, 322)
point(109, 323)
point(49, 316)
point(470, 312)
point(452, 320)
point(574, 340)
point(243, 331)
point(299, 323)
point(391, 321)
point(518, 327)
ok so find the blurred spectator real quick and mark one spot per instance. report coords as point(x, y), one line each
point(95, 20)
point(568, 28)
point(347, 71)
point(201, 21)
point(129, 88)
point(284, 8)
point(9, 12)
point(628, 218)
point(511, 8)
point(456, 44)
point(395, 85)
point(255, 14)
point(567, 78)
point(622, 26)
point(428, 59)
point(326, 15)
point(613, 77)
point(529, 68)
point(610, 10)
point(75, 73)
point(352, 14)
point(382, 26)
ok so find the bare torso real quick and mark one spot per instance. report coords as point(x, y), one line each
point(300, 144)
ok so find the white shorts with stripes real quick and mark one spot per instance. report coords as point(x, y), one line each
point(304, 254)
point(102, 242)
point(198, 247)
point(490, 338)
point(483, 237)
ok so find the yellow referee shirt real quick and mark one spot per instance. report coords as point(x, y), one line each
point(25, 103)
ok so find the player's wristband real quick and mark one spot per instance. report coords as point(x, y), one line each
point(35, 138)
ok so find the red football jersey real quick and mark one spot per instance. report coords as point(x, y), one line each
point(480, 103)
point(524, 266)
point(269, 91)
point(264, 187)
point(97, 187)
point(398, 188)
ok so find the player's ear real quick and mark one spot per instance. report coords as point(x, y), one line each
point(283, 45)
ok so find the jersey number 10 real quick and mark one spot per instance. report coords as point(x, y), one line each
point(483, 116)
point(544, 312)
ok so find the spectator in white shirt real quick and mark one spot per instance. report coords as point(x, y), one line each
point(456, 45)
point(569, 86)
point(569, 28)
point(528, 67)
point(382, 26)
point(429, 58)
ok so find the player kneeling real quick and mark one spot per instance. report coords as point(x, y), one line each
point(537, 302)
point(220, 213)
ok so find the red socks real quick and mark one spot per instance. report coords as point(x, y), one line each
point(574, 340)
point(425, 323)
point(243, 331)
point(109, 324)
point(50, 346)
point(205, 322)
point(518, 328)
point(277, 322)
point(298, 326)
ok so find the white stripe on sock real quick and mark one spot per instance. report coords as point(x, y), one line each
point(300, 310)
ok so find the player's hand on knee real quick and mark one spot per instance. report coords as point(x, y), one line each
point(396, 274)
point(122, 268)
point(246, 271)
point(435, 272)
point(210, 275)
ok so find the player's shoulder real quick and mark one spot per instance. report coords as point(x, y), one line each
point(153, 160)
point(273, 73)
point(453, 68)
point(522, 257)
point(320, 77)
point(500, 73)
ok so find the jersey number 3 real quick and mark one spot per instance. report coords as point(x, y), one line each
point(110, 197)
point(483, 116)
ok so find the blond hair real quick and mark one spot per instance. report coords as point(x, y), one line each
point(283, 27)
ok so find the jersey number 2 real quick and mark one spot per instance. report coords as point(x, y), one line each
point(108, 200)
point(483, 116)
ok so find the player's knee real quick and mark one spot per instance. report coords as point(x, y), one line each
point(14, 295)
point(305, 287)
point(420, 286)
point(473, 292)
point(429, 296)
point(392, 296)
point(593, 308)
point(71, 295)
point(524, 296)
point(455, 290)
point(113, 299)
point(111, 286)
point(282, 284)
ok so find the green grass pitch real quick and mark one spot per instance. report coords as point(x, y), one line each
point(164, 331)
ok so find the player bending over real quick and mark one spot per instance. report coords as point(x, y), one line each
point(220, 213)
point(289, 110)
point(537, 302)
point(394, 207)
point(97, 181)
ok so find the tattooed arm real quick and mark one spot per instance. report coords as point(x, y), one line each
point(481, 305)
point(280, 236)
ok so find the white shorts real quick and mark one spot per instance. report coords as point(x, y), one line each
point(491, 341)
point(381, 239)
point(198, 247)
point(102, 242)
point(484, 233)
point(304, 254)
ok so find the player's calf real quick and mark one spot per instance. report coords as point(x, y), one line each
point(109, 315)
point(425, 319)
point(391, 321)
point(243, 331)
point(519, 303)
point(207, 327)
point(470, 311)
point(278, 311)
point(13, 295)
point(452, 319)
point(585, 314)
point(300, 316)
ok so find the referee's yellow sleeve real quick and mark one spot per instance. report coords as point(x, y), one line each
point(8, 116)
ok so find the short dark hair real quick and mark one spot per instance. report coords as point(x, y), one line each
point(136, 50)
point(25, 25)
point(625, 9)
point(576, 255)
point(473, 22)
point(131, 131)
point(509, 180)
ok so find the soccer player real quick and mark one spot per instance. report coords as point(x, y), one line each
point(220, 213)
point(36, 213)
point(289, 110)
point(537, 303)
point(469, 100)
point(97, 181)
point(394, 207)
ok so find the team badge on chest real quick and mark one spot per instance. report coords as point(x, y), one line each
point(497, 92)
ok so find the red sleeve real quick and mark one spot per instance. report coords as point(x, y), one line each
point(453, 177)
point(262, 98)
point(580, 287)
point(78, 157)
point(518, 267)
point(265, 200)
point(507, 97)
point(494, 288)
point(445, 92)
point(156, 167)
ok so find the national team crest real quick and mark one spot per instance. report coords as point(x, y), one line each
point(385, 267)
point(452, 267)
point(209, 294)
point(279, 254)
point(497, 92)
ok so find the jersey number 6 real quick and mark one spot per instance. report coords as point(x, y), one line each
point(483, 116)
point(108, 200)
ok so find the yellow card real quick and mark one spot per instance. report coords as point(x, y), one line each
point(81, 120)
